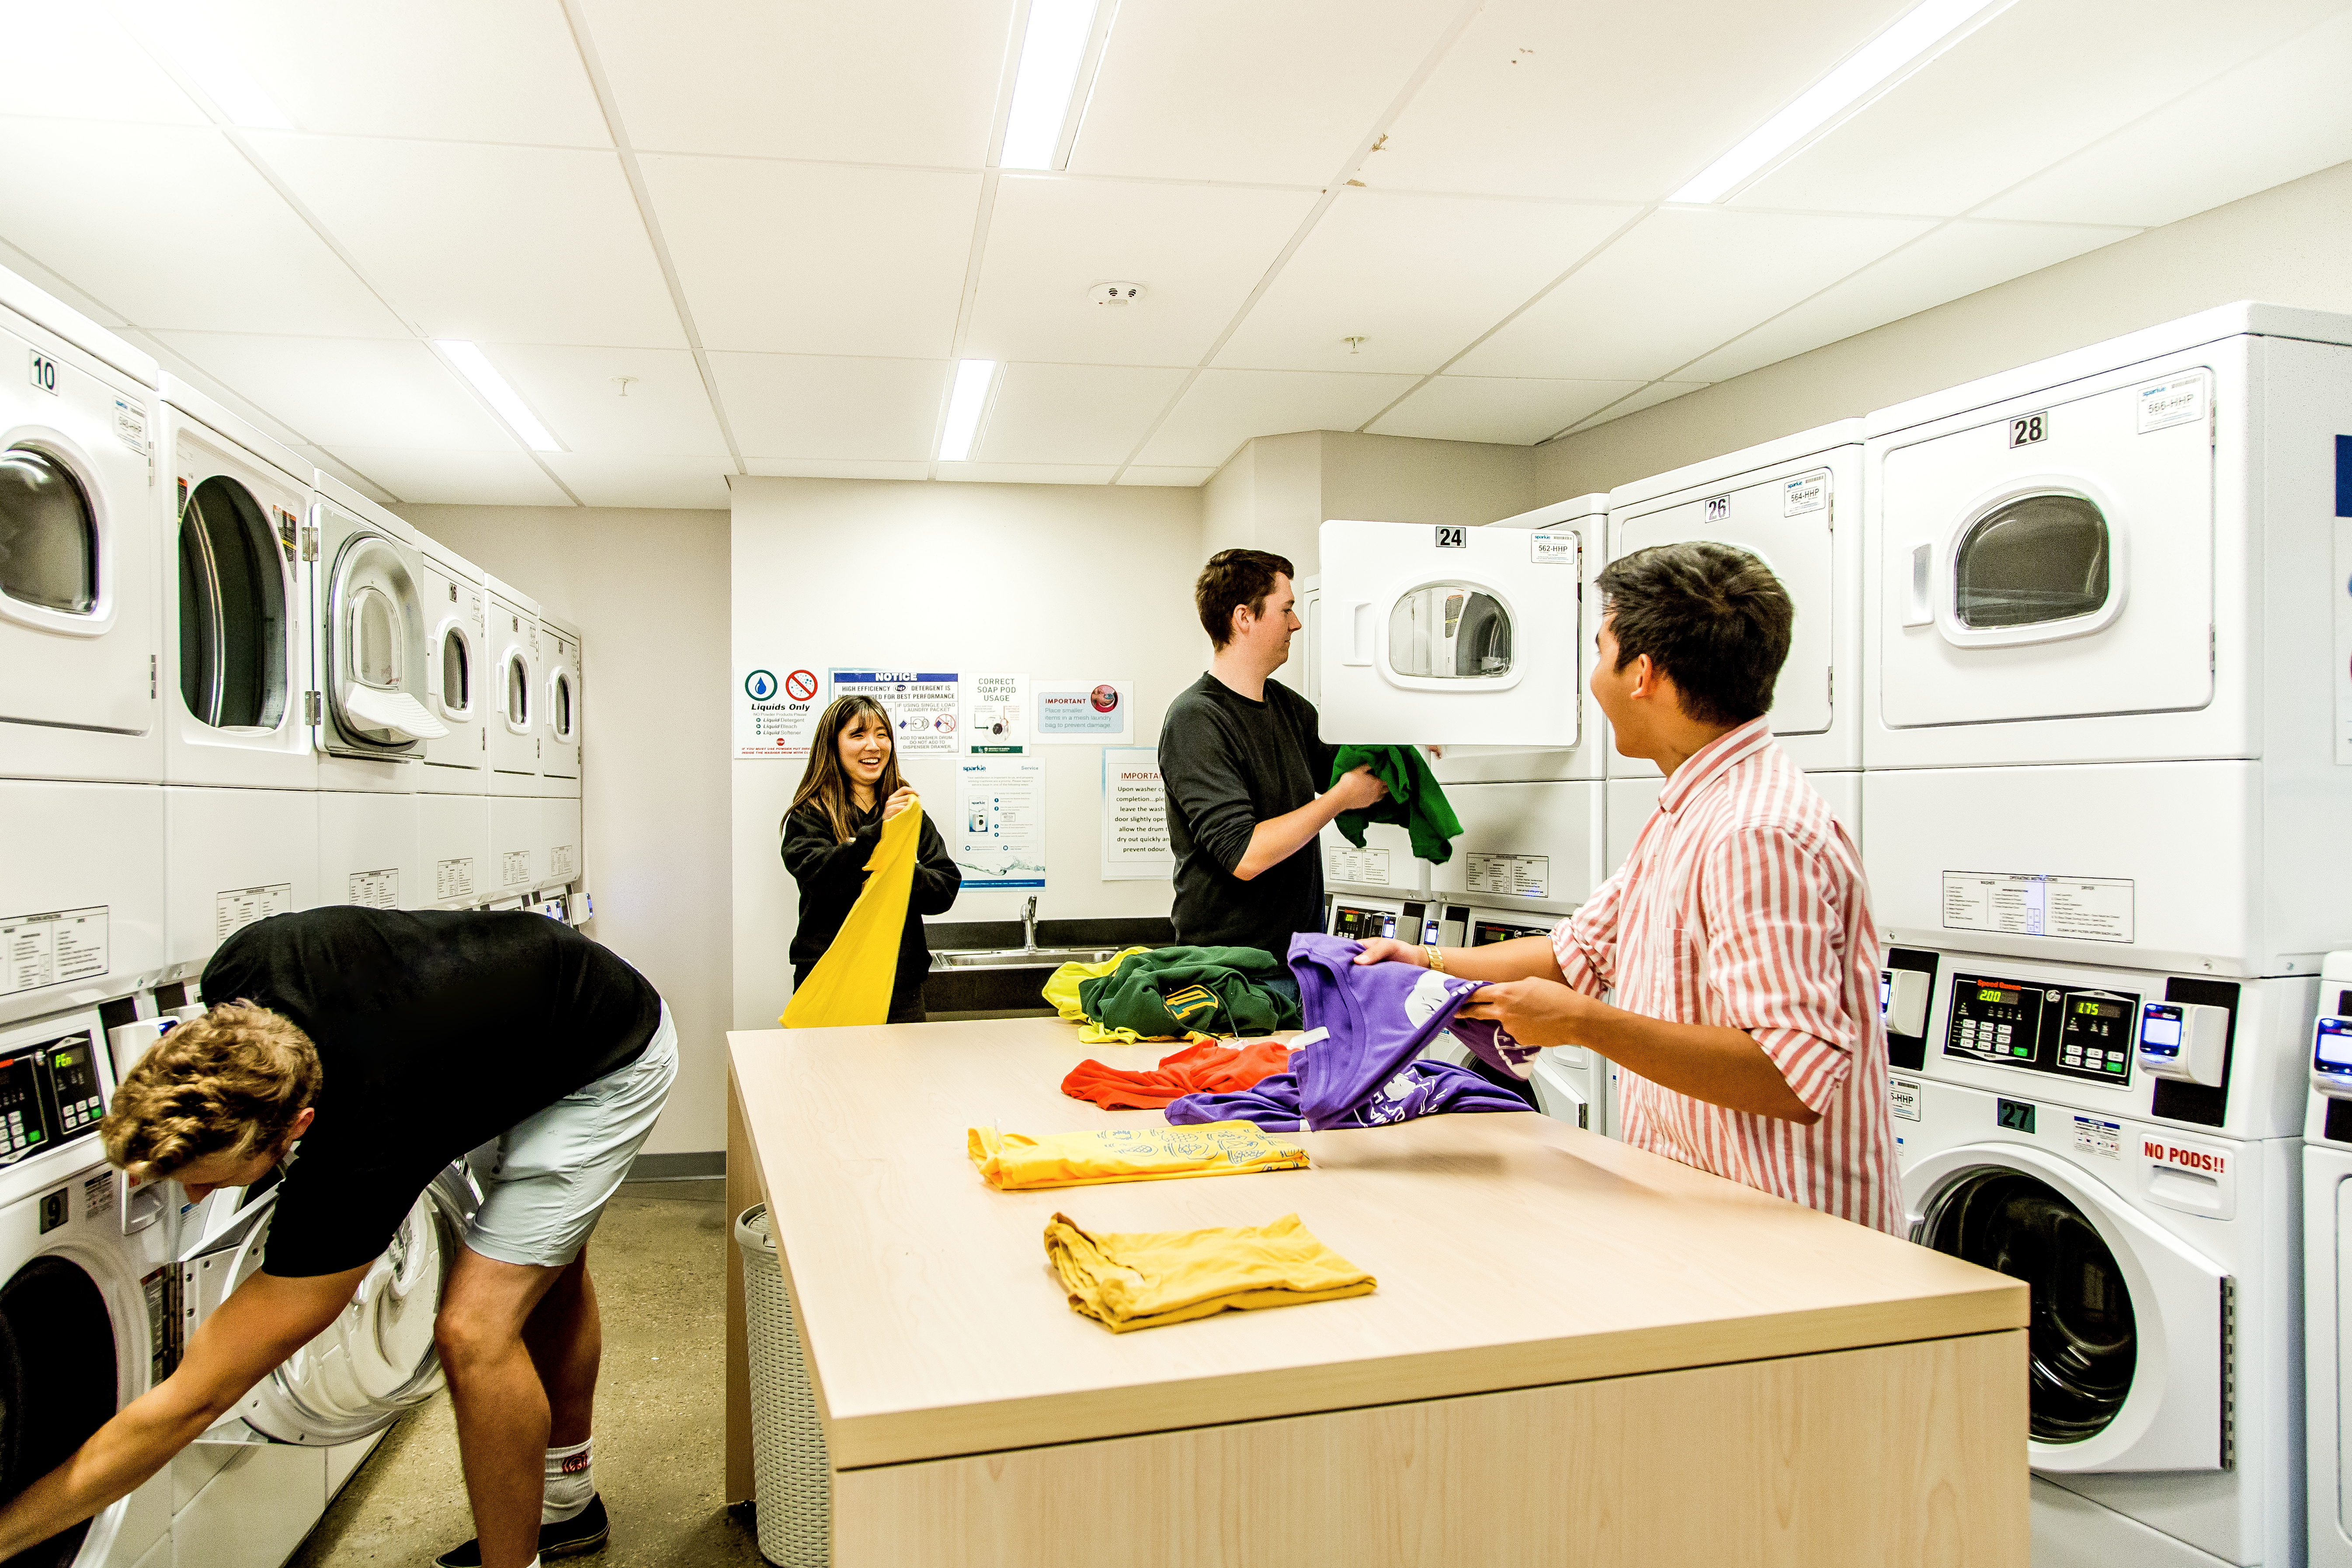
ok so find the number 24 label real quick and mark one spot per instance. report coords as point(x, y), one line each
point(2026, 431)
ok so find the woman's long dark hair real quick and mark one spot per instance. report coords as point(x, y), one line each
point(827, 782)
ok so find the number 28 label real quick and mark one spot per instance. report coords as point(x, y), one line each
point(2032, 427)
point(44, 373)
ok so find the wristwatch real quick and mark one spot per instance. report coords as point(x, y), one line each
point(1436, 958)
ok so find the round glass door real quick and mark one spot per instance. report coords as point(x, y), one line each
point(376, 647)
point(232, 610)
point(457, 687)
point(1450, 631)
point(2082, 1345)
point(58, 1384)
point(2031, 561)
point(48, 534)
point(517, 693)
point(559, 705)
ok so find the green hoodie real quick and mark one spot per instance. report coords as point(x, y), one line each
point(1413, 800)
point(1175, 991)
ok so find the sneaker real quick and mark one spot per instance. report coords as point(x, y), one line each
point(583, 1532)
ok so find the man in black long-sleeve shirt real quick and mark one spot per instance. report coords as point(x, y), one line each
point(1242, 763)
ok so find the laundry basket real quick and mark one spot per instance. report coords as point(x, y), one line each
point(795, 1511)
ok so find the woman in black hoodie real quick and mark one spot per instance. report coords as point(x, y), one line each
point(852, 787)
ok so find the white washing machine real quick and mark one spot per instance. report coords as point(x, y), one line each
point(240, 808)
point(81, 900)
point(518, 826)
point(453, 779)
point(2155, 1219)
point(247, 1493)
point(370, 626)
point(2327, 1271)
point(2106, 613)
point(86, 1323)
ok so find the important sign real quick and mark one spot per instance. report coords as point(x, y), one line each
point(1135, 847)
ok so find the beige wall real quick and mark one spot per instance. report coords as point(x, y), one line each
point(1046, 580)
point(2289, 245)
point(1274, 493)
point(648, 591)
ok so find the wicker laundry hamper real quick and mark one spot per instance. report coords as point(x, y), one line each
point(795, 1511)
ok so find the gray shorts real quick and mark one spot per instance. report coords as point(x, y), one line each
point(557, 1170)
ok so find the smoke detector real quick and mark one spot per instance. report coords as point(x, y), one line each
point(1116, 293)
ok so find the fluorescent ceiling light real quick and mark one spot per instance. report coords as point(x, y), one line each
point(1910, 41)
point(973, 378)
point(476, 367)
point(1051, 53)
point(197, 47)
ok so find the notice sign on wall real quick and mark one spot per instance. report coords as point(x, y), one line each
point(922, 706)
point(1134, 816)
point(777, 704)
point(996, 715)
point(1086, 712)
point(1000, 823)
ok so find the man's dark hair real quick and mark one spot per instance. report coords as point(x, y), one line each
point(1713, 619)
point(1235, 577)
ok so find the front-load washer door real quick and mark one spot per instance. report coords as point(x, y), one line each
point(2055, 563)
point(2124, 1345)
point(59, 1382)
point(376, 1360)
point(1784, 521)
point(372, 649)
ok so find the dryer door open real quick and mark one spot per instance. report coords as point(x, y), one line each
point(1443, 635)
point(2052, 563)
point(2125, 1341)
point(376, 1360)
point(1785, 521)
point(372, 649)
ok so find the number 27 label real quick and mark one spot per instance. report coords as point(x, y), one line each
point(2026, 431)
point(44, 373)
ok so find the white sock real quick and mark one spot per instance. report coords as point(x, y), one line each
point(570, 1484)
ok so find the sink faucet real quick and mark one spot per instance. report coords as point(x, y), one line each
point(1029, 925)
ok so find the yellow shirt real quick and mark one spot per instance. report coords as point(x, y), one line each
point(1015, 1161)
point(1143, 1279)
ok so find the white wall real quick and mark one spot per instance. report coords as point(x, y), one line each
point(648, 591)
point(1048, 580)
point(1274, 493)
point(2288, 245)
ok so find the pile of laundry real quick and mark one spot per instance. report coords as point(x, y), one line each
point(1175, 994)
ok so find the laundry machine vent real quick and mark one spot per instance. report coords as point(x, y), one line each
point(2229, 1373)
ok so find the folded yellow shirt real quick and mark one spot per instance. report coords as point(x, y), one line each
point(1142, 1280)
point(1013, 1162)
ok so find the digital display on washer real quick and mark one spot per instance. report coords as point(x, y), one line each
point(1484, 932)
point(2070, 1031)
point(22, 1129)
point(2331, 1046)
point(71, 1065)
point(1362, 924)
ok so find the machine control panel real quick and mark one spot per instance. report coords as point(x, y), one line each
point(2331, 1056)
point(2184, 1040)
point(2070, 1031)
point(1364, 919)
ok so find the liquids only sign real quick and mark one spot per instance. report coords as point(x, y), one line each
point(777, 703)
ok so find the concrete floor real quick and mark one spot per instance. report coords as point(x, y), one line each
point(659, 1263)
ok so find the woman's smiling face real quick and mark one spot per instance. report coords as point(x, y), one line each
point(864, 743)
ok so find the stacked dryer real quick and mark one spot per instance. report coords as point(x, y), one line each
point(2107, 639)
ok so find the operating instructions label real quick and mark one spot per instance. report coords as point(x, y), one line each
point(564, 862)
point(234, 909)
point(1343, 863)
point(2082, 909)
point(376, 889)
point(52, 948)
point(1517, 876)
point(514, 867)
point(454, 878)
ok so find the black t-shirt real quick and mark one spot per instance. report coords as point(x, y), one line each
point(1230, 763)
point(831, 874)
point(437, 1030)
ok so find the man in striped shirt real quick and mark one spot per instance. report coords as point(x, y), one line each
point(1736, 941)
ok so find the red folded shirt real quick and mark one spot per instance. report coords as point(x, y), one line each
point(1210, 1069)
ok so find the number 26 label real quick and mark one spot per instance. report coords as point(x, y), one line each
point(44, 373)
point(2026, 431)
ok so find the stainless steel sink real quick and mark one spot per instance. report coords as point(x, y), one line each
point(1021, 957)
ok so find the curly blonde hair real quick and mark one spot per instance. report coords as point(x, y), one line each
point(231, 1082)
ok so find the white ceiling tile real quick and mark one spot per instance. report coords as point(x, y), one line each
point(1179, 477)
point(1241, 90)
point(1610, 102)
point(173, 228)
point(1953, 261)
point(1681, 284)
point(77, 62)
point(1418, 278)
point(614, 479)
point(420, 476)
point(349, 391)
point(62, 288)
point(1518, 412)
point(813, 469)
point(2034, 84)
point(1650, 397)
point(1030, 473)
point(1073, 413)
point(441, 68)
point(508, 243)
point(1198, 250)
point(664, 409)
point(320, 457)
point(2272, 120)
point(827, 409)
point(885, 81)
point(805, 258)
point(1224, 408)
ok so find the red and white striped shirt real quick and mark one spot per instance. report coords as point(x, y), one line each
point(1743, 905)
